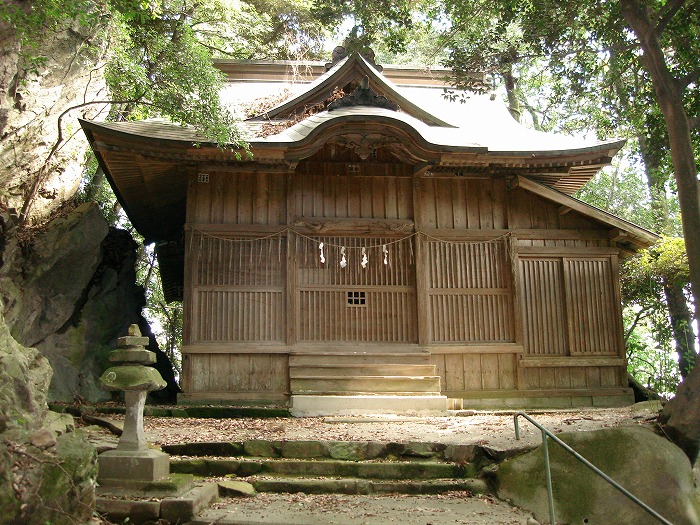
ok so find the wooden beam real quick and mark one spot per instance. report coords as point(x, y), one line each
point(521, 233)
point(641, 236)
point(618, 235)
point(233, 348)
point(422, 168)
point(355, 226)
point(545, 362)
point(562, 392)
point(474, 349)
point(565, 250)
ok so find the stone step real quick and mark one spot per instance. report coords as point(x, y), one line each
point(376, 470)
point(354, 358)
point(396, 385)
point(367, 369)
point(337, 450)
point(364, 486)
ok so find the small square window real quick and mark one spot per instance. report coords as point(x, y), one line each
point(356, 298)
point(203, 177)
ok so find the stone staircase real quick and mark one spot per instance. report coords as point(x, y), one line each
point(345, 382)
point(261, 470)
point(337, 467)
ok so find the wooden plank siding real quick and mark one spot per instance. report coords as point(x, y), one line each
point(469, 292)
point(569, 306)
point(371, 304)
point(257, 289)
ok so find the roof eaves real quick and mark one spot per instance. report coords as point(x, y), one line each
point(641, 236)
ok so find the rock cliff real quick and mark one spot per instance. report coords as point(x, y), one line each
point(70, 291)
point(34, 95)
point(68, 287)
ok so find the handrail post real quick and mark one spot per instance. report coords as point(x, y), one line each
point(548, 471)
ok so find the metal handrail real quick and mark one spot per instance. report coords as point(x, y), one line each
point(547, 434)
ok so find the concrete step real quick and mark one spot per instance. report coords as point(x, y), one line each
point(347, 404)
point(354, 358)
point(367, 369)
point(357, 384)
point(376, 470)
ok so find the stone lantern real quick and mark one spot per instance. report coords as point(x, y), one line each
point(132, 463)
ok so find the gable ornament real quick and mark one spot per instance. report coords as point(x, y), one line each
point(364, 145)
point(363, 95)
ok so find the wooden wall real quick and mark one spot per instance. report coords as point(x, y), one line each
point(536, 309)
point(238, 290)
point(376, 303)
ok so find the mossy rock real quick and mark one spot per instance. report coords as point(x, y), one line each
point(58, 483)
point(649, 466)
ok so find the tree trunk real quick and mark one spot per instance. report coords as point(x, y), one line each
point(681, 413)
point(652, 155)
point(510, 84)
point(681, 324)
point(669, 97)
point(679, 314)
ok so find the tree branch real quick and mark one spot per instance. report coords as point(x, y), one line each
point(214, 48)
point(634, 324)
point(667, 13)
point(694, 122)
point(29, 200)
point(688, 79)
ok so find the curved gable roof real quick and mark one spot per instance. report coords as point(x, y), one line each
point(354, 67)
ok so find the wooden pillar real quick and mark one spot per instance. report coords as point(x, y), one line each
point(290, 273)
point(422, 306)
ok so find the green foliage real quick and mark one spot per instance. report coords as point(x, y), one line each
point(666, 261)
point(165, 319)
point(94, 187)
point(31, 19)
point(621, 191)
point(159, 67)
point(651, 343)
point(374, 20)
point(650, 355)
point(278, 30)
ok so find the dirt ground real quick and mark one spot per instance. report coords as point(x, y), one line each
point(456, 508)
point(495, 429)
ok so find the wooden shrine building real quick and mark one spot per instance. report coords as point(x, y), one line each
point(384, 249)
